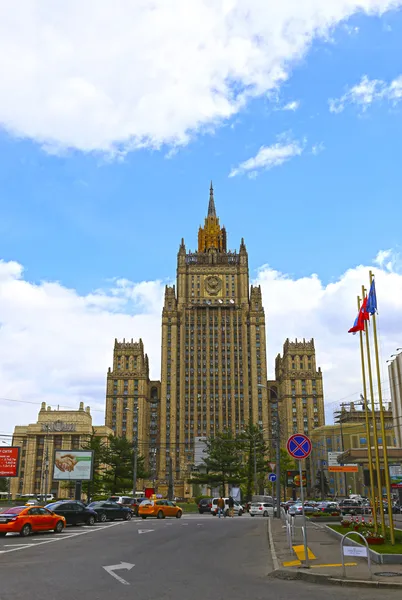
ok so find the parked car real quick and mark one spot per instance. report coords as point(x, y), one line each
point(74, 512)
point(159, 509)
point(262, 509)
point(238, 508)
point(297, 509)
point(133, 503)
point(205, 505)
point(352, 507)
point(109, 511)
point(23, 520)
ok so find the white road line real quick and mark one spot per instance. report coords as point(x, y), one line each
point(62, 537)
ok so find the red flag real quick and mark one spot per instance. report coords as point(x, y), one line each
point(363, 316)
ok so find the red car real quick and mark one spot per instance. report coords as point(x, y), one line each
point(26, 520)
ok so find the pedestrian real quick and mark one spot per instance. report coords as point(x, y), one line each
point(221, 507)
point(231, 506)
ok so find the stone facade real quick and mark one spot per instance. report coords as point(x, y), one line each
point(54, 430)
point(133, 400)
point(395, 380)
point(213, 349)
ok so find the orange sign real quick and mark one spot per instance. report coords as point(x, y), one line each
point(344, 469)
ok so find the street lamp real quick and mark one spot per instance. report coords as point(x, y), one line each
point(278, 451)
point(135, 453)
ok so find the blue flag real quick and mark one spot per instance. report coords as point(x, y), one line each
point(372, 300)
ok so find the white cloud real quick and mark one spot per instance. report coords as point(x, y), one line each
point(268, 157)
point(293, 106)
point(112, 77)
point(317, 148)
point(56, 345)
point(366, 92)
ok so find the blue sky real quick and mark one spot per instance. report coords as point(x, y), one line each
point(108, 143)
point(83, 218)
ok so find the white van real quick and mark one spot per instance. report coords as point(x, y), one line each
point(238, 508)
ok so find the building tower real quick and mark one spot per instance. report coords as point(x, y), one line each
point(300, 389)
point(132, 400)
point(213, 349)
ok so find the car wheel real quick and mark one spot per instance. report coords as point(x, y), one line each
point(2, 534)
point(179, 514)
point(265, 514)
point(160, 515)
point(103, 518)
point(91, 520)
point(213, 514)
point(59, 527)
point(26, 530)
point(128, 517)
point(240, 512)
point(251, 515)
point(143, 516)
point(200, 511)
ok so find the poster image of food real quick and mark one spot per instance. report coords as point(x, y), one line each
point(73, 465)
point(293, 478)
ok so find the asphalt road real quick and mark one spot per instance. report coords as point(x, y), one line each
point(197, 557)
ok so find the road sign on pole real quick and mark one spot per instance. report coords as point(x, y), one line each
point(272, 477)
point(299, 446)
point(272, 466)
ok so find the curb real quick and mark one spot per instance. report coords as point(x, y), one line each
point(302, 575)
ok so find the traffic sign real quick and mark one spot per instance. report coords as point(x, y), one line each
point(272, 465)
point(299, 446)
point(272, 477)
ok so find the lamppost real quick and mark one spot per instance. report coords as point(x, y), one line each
point(135, 451)
point(278, 450)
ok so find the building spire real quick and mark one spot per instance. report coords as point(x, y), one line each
point(211, 205)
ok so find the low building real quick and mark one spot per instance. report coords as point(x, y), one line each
point(54, 430)
point(348, 434)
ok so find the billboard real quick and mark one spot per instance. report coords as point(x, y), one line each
point(73, 465)
point(9, 461)
point(395, 475)
point(293, 478)
point(344, 469)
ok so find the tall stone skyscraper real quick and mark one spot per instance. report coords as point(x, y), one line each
point(213, 349)
point(300, 389)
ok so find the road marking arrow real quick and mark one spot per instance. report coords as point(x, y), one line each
point(145, 530)
point(111, 570)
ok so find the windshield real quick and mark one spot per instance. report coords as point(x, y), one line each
point(13, 511)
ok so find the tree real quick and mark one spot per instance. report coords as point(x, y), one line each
point(3, 484)
point(255, 450)
point(222, 463)
point(286, 463)
point(118, 460)
point(98, 446)
point(321, 484)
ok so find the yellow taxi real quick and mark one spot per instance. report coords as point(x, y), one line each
point(159, 509)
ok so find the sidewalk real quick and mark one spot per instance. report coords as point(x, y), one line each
point(325, 561)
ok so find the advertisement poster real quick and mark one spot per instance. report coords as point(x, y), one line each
point(293, 478)
point(9, 460)
point(73, 465)
point(395, 475)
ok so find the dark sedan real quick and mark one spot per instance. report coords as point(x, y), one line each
point(205, 505)
point(109, 511)
point(74, 512)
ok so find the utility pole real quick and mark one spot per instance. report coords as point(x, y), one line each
point(278, 462)
point(255, 467)
point(135, 461)
point(170, 487)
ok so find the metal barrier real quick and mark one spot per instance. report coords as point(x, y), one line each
point(356, 551)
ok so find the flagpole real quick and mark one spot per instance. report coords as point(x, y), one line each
point(375, 437)
point(368, 436)
point(383, 433)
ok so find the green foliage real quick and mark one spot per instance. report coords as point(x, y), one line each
point(117, 457)
point(287, 463)
point(3, 484)
point(254, 450)
point(98, 446)
point(223, 462)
